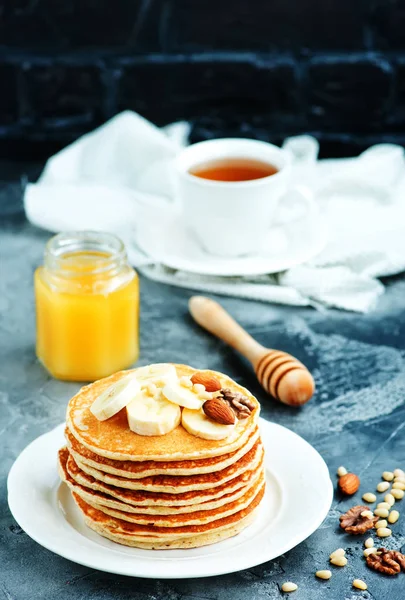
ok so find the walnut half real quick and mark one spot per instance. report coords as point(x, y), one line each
point(354, 522)
point(240, 404)
point(386, 561)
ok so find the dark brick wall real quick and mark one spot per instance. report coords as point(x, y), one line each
point(261, 68)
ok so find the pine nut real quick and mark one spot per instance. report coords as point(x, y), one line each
point(324, 574)
point(398, 494)
point(198, 388)
point(398, 485)
point(152, 389)
point(393, 516)
point(289, 586)
point(338, 552)
point(399, 473)
point(186, 381)
point(383, 486)
point(369, 551)
point(399, 479)
point(381, 524)
point(381, 512)
point(389, 499)
point(369, 497)
point(339, 561)
point(367, 513)
point(388, 475)
point(359, 584)
point(341, 471)
point(384, 532)
point(204, 395)
point(384, 505)
point(369, 543)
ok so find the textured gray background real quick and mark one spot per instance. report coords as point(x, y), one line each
point(355, 419)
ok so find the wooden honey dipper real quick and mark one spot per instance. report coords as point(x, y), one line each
point(280, 374)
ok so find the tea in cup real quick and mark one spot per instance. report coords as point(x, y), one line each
point(229, 192)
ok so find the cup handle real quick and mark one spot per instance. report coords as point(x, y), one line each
point(297, 194)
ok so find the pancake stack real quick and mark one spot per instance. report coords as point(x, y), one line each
point(167, 491)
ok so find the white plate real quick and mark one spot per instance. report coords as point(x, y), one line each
point(298, 484)
point(167, 241)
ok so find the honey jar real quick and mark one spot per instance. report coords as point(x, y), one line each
point(87, 307)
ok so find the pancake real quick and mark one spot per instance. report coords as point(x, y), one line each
point(177, 485)
point(183, 543)
point(181, 519)
point(137, 469)
point(115, 528)
point(158, 499)
point(101, 499)
point(113, 439)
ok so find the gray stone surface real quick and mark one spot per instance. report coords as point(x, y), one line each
point(355, 419)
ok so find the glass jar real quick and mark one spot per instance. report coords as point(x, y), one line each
point(87, 307)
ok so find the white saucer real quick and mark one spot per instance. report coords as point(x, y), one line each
point(298, 484)
point(167, 240)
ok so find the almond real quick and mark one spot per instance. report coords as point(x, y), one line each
point(210, 383)
point(219, 411)
point(349, 484)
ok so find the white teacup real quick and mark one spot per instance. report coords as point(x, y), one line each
point(233, 218)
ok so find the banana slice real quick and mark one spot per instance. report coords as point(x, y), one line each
point(197, 423)
point(182, 395)
point(152, 415)
point(159, 374)
point(115, 398)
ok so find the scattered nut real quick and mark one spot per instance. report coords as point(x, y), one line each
point(384, 505)
point(384, 532)
point(380, 524)
point(205, 395)
point(398, 485)
point(210, 383)
point(289, 586)
point(353, 522)
point(198, 388)
point(341, 471)
point(383, 486)
point(324, 574)
point(386, 561)
point(399, 479)
point(399, 473)
point(393, 516)
point(359, 584)
point(339, 561)
point(388, 476)
point(240, 404)
point(369, 551)
point(389, 499)
point(382, 512)
point(349, 484)
point(398, 494)
point(369, 497)
point(219, 411)
point(369, 543)
point(367, 513)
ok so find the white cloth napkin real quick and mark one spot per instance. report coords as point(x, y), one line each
point(107, 178)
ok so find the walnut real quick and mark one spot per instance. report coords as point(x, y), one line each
point(354, 522)
point(386, 561)
point(241, 405)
